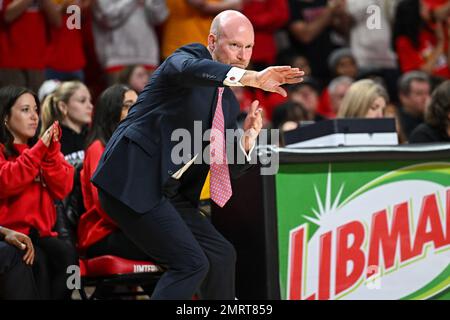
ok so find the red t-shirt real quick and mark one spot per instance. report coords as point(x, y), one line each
point(29, 184)
point(65, 51)
point(267, 16)
point(94, 224)
point(23, 42)
point(411, 58)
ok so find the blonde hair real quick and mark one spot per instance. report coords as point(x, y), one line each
point(50, 112)
point(360, 97)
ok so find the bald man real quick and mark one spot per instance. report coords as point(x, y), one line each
point(152, 194)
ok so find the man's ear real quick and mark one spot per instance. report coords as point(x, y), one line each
point(212, 42)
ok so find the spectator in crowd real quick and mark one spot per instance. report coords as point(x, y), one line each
point(290, 111)
point(194, 18)
point(306, 94)
point(97, 233)
point(267, 16)
point(71, 105)
point(65, 54)
point(371, 38)
point(16, 258)
point(124, 33)
point(302, 103)
point(316, 29)
point(23, 41)
point(135, 76)
point(391, 111)
point(337, 89)
point(341, 62)
point(287, 117)
point(421, 41)
point(270, 101)
point(95, 79)
point(437, 119)
point(414, 94)
point(364, 99)
point(32, 176)
point(291, 57)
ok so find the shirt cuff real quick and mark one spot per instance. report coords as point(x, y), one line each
point(247, 155)
point(233, 77)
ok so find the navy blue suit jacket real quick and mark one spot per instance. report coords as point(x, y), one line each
point(137, 160)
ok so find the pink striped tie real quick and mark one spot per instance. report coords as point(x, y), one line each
point(220, 185)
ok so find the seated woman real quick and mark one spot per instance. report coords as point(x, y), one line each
point(70, 104)
point(437, 118)
point(16, 258)
point(32, 175)
point(364, 99)
point(97, 233)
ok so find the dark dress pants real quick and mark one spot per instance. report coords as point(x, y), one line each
point(16, 278)
point(199, 260)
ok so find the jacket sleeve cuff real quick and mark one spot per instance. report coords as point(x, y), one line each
point(38, 150)
point(54, 149)
point(233, 77)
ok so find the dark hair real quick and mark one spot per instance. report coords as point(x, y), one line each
point(8, 97)
point(107, 114)
point(408, 22)
point(404, 83)
point(125, 74)
point(439, 108)
point(288, 56)
point(289, 111)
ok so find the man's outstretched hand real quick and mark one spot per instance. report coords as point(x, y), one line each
point(272, 78)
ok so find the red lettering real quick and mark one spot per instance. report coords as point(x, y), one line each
point(325, 266)
point(381, 237)
point(429, 214)
point(297, 241)
point(345, 254)
point(447, 242)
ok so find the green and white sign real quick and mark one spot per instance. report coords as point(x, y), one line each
point(373, 230)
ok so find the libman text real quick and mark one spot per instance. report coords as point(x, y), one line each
point(398, 250)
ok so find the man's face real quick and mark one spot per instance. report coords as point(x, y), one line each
point(418, 97)
point(233, 45)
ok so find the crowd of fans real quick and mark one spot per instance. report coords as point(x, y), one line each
point(71, 69)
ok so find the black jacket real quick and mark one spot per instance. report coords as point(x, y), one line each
point(424, 133)
point(137, 160)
